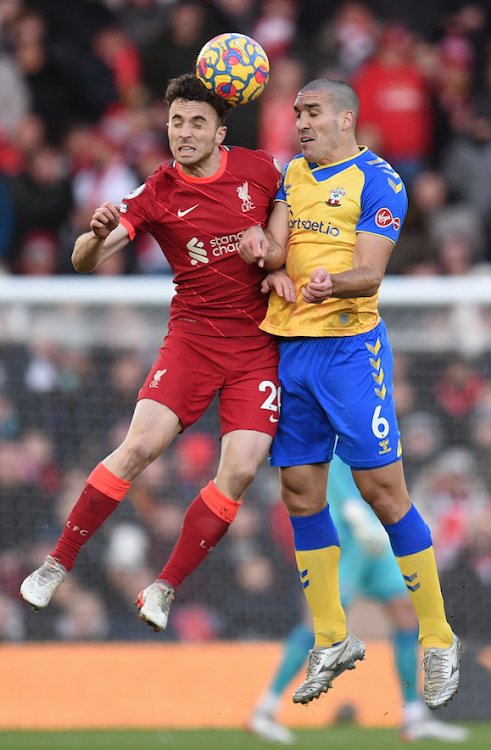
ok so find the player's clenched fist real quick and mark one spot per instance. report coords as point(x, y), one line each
point(254, 246)
point(104, 220)
point(319, 287)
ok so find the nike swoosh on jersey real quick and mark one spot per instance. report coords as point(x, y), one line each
point(183, 213)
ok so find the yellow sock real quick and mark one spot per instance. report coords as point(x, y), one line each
point(319, 575)
point(421, 578)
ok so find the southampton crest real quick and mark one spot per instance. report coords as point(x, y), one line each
point(335, 196)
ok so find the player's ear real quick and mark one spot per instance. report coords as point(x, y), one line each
point(220, 134)
point(348, 119)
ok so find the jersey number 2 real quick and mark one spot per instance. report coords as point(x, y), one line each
point(273, 395)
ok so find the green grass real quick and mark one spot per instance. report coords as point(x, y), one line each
point(334, 738)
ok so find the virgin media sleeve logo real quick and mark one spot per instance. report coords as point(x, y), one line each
point(383, 218)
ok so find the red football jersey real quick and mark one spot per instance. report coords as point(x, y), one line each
point(198, 223)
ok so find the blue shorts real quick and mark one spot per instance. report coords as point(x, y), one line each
point(377, 578)
point(337, 386)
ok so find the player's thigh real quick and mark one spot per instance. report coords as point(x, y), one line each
point(305, 434)
point(153, 423)
point(152, 429)
point(249, 397)
point(358, 394)
point(185, 376)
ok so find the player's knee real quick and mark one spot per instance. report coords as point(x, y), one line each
point(243, 474)
point(236, 475)
point(139, 454)
point(300, 503)
point(387, 506)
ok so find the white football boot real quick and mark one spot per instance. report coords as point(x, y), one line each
point(263, 724)
point(155, 603)
point(38, 588)
point(421, 724)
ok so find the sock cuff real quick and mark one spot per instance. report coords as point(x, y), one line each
point(108, 483)
point(409, 535)
point(221, 505)
point(314, 532)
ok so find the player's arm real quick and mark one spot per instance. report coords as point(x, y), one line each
point(106, 237)
point(268, 248)
point(370, 257)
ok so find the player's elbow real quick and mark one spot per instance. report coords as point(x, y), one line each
point(81, 264)
point(273, 264)
point(370, 291)
point(372, 283)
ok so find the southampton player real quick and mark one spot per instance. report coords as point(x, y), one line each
point(197, 207)
point(336, 220)
point(367, 568)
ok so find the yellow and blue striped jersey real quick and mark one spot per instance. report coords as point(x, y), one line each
point(328, 206)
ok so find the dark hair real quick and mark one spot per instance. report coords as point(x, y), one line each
point(341, 95)
point(189, 87)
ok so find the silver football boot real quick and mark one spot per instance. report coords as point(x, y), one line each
point(326, 663)
point(442, 672)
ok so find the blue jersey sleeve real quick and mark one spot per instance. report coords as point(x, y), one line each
point(383, 202)
point(281, 194)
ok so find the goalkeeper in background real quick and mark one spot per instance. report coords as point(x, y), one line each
point(367, 568)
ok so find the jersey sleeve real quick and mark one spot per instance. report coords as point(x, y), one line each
point(383, 203)
point(134, 208)
point(271, 174)
point(281, 194)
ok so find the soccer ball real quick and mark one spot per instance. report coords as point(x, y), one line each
point(233, 66)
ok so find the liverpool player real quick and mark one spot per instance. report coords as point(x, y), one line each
point(197, 208)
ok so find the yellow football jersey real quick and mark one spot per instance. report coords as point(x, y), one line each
point(328, 206)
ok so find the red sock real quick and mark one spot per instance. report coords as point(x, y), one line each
point(100, 497)
point(201, 531)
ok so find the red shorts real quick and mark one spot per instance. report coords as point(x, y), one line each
point(191, 369)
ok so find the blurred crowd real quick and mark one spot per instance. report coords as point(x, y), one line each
point(82, 118)
point(82, 121)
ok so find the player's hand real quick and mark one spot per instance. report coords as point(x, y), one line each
point(319, 287)
point(281, 283)
point(254, 246)
point(104, 220)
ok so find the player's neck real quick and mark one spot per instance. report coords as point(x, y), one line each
point(205, 168)
point(343, 152)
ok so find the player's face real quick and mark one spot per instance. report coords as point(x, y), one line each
point(322, 132)
point(194, 135)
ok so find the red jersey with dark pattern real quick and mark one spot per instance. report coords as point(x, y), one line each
point(198, 223)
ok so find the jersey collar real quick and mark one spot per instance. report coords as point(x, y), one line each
point(313, 164)
point(211, 178)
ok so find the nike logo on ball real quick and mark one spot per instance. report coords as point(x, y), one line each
point(183, 213)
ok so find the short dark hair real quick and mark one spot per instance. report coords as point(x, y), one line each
point(189, 87)
point(341, 94)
